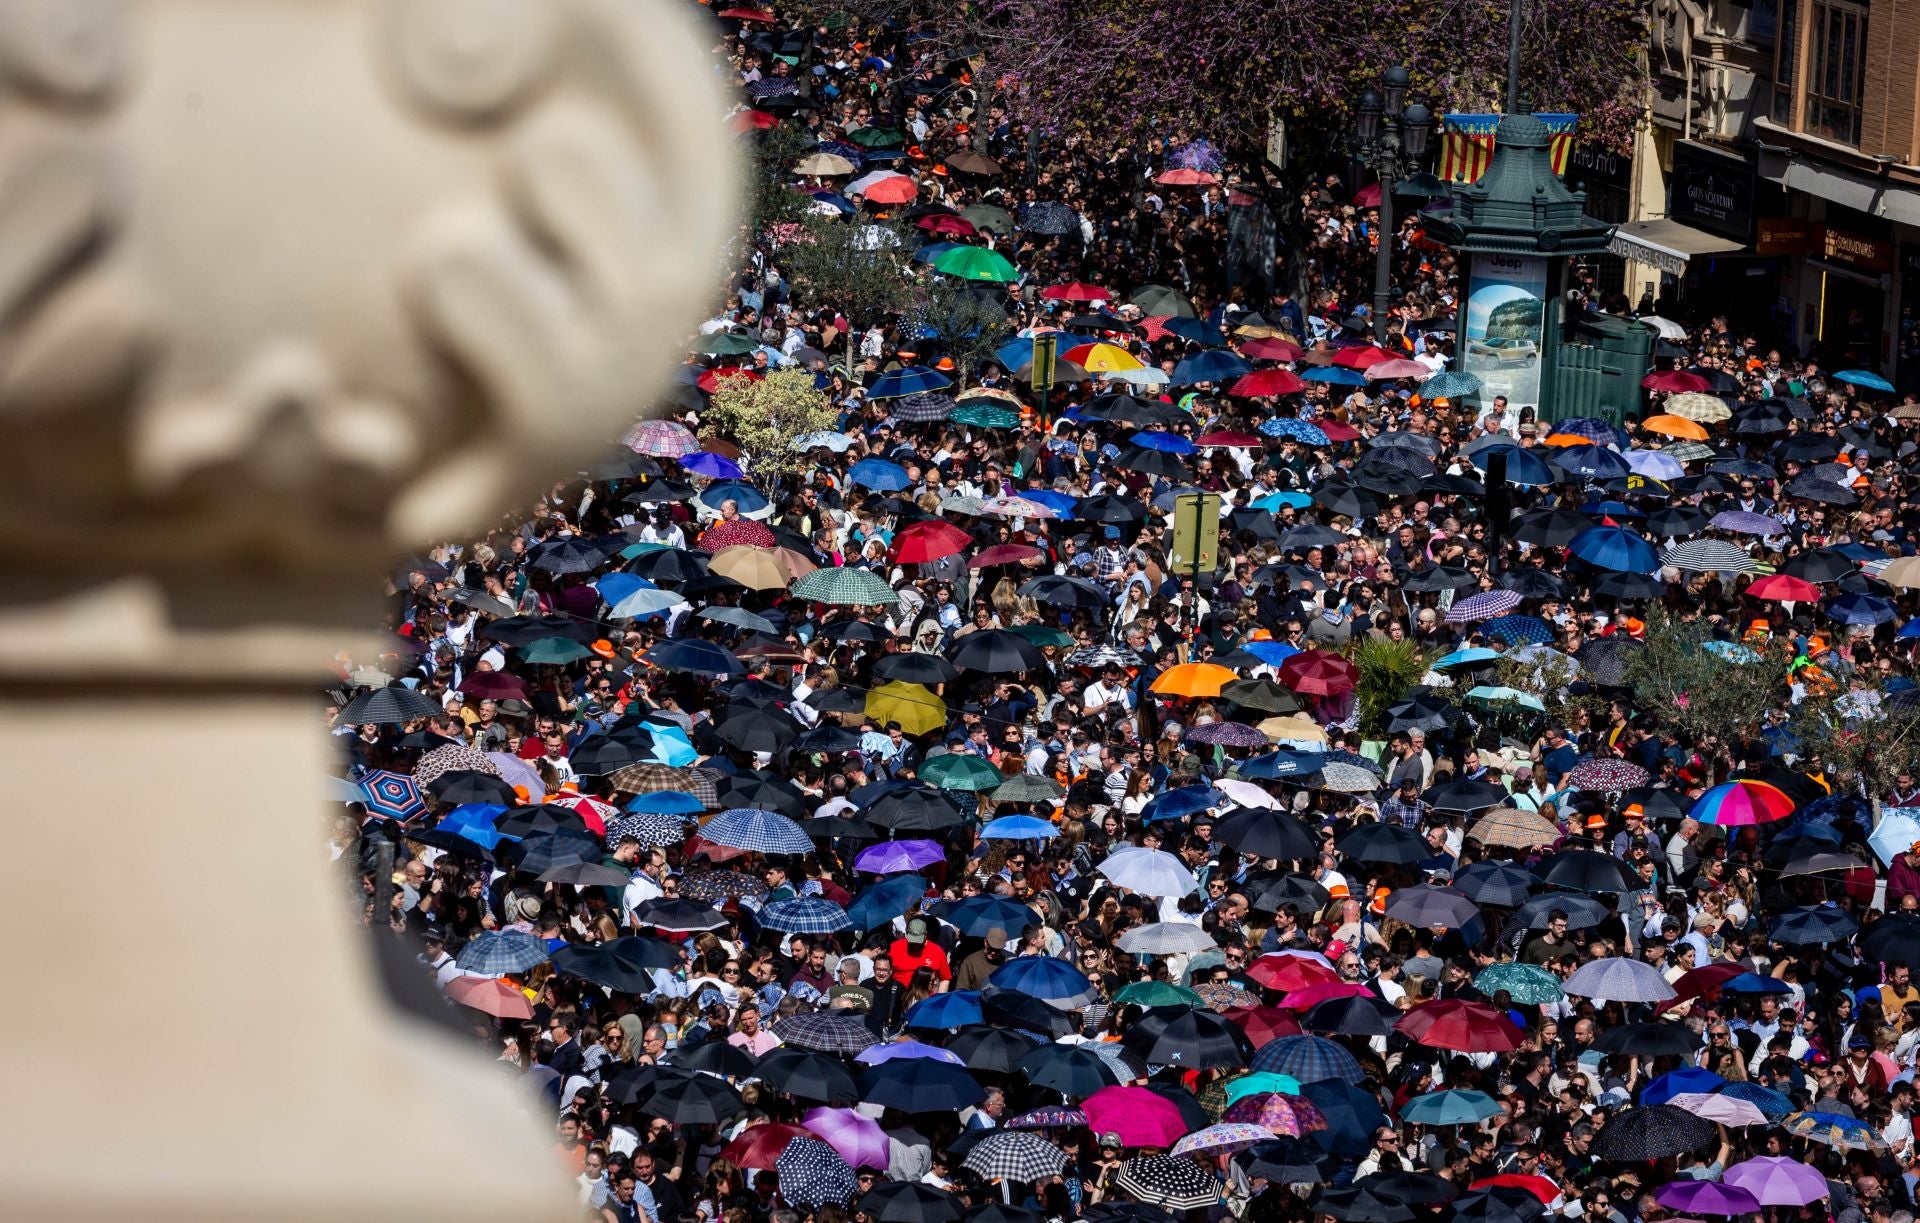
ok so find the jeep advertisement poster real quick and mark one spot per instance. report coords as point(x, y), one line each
point(1506, 308)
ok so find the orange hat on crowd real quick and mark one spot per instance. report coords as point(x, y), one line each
point(1596, 820)
point(603, 648)
point(1338, 891)
point(943, 364)
point(1379, 904)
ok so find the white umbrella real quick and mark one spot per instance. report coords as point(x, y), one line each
point(1666, 327)
point(1246, 794)
point(1165, 938)
point(1621, 980)
point(1150, 872)
point(1895, 835)
point(1727, 1110)
point(1149, 376)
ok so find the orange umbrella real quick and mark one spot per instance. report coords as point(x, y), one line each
point(1193, 679)
point(491, 996)
point(1675, 426)
point(1565, 439)
point(897, 190)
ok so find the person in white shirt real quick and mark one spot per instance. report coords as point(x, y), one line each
point(645, 884)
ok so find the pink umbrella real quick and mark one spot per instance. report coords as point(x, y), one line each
point(860, 1141)
point(1399, 367)
point(1726, 1110)
point(1139, 1117)
point(491, 996)
point(1778, 1181)
point(1322, 991)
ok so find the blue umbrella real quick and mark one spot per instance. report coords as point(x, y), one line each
point(1045, 977)
point(340, 790)
point(666, 802)
point(1866, 378)
point(951, 1010)
point(1019, 828)
point(758, 831)
point(1813, 924)
point(1302, 431)
point(1449, 385)
point(614, 587)
point(1680, 1082)
point(978, 914)
point(920, 1085)
point(1197, 331)
point(1615, 548)
point(879, 475)
point(1516, 629)
point(1180, 803)
point(1275, 765)
point(1273, 653)
point(1310, 1059)
point(1274, 502)
point(882, 902)
point(932, 251)
point(1214, 365)
point(1754, 983)
point(1768, 1101)
point(1454, 1107)
point(750, 499)
point(1059, 503)
point(495, 952)
point(833, 199)
point(1335, 375)
point(1600, 432)
point(394, 795)
point(1353, 1114)
point(716, 466)
point(695, 655)
point(1168, 443)
point(1861, 609)
point(1466, 657)
point(908, 380)
point(1523, 466)
point(1591, 462)
point(805, 915)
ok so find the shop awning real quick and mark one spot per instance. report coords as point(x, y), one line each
point(1666, 244)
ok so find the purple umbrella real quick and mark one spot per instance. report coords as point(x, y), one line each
point(898, 857)
point(873, 1055)
point(716, 466)
point(1706, 1198)
point(1227, 734)
point(1483, 606)
point(1775, 1180)
point(1744, 522)
point(860, 1141)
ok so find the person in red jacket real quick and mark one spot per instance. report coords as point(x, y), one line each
point(916, 950)
point(1903, 877)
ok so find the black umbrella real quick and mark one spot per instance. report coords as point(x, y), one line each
point(996, 1050)
point(1498, 1204)
point(1437, 578)
point(1262, 694)
point(1394, 461)
point(1358, 1204)
point(670, 568)
point(1054, 590)
point(389, 706)
point(920, 1085)
point(1385, 843)
point(523, 630)
point(1533, 584)
point(603, 967)
point(1583, 912)
point(1677, 521)
point(1109, 510)
point(805, 1075)
point(698, 1099)
point(1420, 1188)
point(855, 630)
point(766, 792)
point(1387, 481)
point(1807, 448)
point(1071, 1070)
point(1284, 1161)
point(1893, 939)
point(910, 1202)
point(1452, 485)
point(674, 915)
point(660, 492)
point(1589, 870)
point(1605, 659)
point(1266, 833)
point(568, 556)
point(461, 786)
point(603, 754)
point(759, 730)
point(1820, 565)
point(1821, 489)
point(1550, 528)
point(1496, 883)
point(1652, 1131)
point(1045, 217)
point(1345, 498)
point(1017, 1010)
point(530, 821)
point(1152, 462)
point(1419, 712)
point(1258, 523)
point(996, 651)
point(1296, 890)
point(1187, 1036)
point(1432, 905)
point(1626, 586)
point(915, 810)
point(1812, 924)
point(717, 1057)
point(632, 1084)
point(1359, 1015)
point(1464, 794)
point(1311, 535)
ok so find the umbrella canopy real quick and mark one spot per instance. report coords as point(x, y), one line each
point(1169, 1181)
point(1697, 1197)
point(1310, 1059)
point(1467, 1027)
point(1776, 1180)
point(1654, 1131)
point(1620, 979)
point(1141, 1118)
point(1015, 1155)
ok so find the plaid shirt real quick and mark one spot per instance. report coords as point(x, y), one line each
point(1407, 815)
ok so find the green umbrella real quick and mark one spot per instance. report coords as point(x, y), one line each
point(988, 219)
point(1491, 694)
point(961, 771)
point(1525, 983)
point(631, 551)
point(1157, 993)
point(1161, 302)
point(554, 650)
point(844, 587)
point(983, 415)
point(726, 344)
point(875, 137)
point(976, 263)
point(1041, 634)
point(1025, 788)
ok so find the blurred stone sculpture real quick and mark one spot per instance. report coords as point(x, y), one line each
point(286, 287)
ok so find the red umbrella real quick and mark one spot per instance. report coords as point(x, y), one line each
point(1465, 1027)
point(710, 381)
point(1362, 356)
point(931, 539)
point(1289, 972)
point(1154, 327)
point(1184, 177)
point(1538, 1186)
point(941, 223)
point(490, 996)
point(896, 190)
point(1367, 197)
point(752, 121)
point(759, 1145)
point(1785, 588)
point(738, 531)
point(1703, 982)
point(1322, 991)
point(1005, 554)
point(493, 686)
point(1267, 382)
point(1075, 291)
point(747, 14)
point(1337, 430)
point(1263, 1023)
point(1229, 438)
point(1675, 381)
point(1318, 673)
point(1272, 348)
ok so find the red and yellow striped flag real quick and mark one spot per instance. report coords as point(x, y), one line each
point(1466, 144)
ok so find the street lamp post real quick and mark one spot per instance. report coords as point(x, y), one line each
point(1391, 139)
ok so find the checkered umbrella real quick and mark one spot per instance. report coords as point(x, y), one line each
point(1595, 430)
point(1344, 778)
point(388, 706)
point(392, 794)
point(758, 831)
point(1222, 1139)
point(1607, 775)
point(1506, 828)
point(921, 407)
point(1163, 1180)
point(1310, 1059)
point(1015, 1155)
point(653, 829)
point(825, 1032)
point(1483, 606)
point(650, 779)
point(720, 885)
point(663, 439)
point(494, 952)
point(451, 758)
point(844, 588)
point(813, 1174)
point(805, 915)
point(1519, 630)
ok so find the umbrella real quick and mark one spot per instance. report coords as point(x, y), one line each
point(1165, 938)
point(991, 1049)
point(1467, 1027)
point(910, 1202)
point(1776, 1180)
point(1384, 843)
point(1357, 1014)
point(1527, 984)
point(825, 1031)
point(1073, 1071)
point(1169, 1181)
point(1352, 1115)
point(1615, 548)
point(1589, 870)
point(1141, 1118)
point(1692, 1197)
point(1647, 1040)
point(1507, 828)
point(918, 1085)
point(1223, 1138)
point(1452, 1107)
point(1834, 1130)
point(1619, 979)
point(1310, 1059)
point(1015, 1155)
point(1865, 378)
point(1187, 1036)
point(696, 1100)
point(812, 1173)
point(1708, 556)
point(1719, 1109)
point(1150, 872)
point(1739, 803)
point(757, 831)
point(390, 706)
point(805, 915)
point(1497, 883)
point(1045, 977)
point(1498, 1204)
point(1814, 925)
point(497, 952)
point(1652, 1131)
point(1431, 906)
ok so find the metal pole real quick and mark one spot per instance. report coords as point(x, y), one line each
point(1515, 9)
point(1383, 258)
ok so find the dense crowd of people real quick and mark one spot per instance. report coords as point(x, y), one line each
point(908, 828)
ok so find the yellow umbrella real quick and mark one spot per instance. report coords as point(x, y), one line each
point(916, 708)
point(1193, 679)
point(754, 568)
point(1293, 727)
point(1259, 331)
point(824, 165)
point(1107, 359)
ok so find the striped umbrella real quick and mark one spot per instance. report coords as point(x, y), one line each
point(1707, 556)
point(1483, 606)
point(662, 439)
point(1163, 1180)
point(397, 795)
point(844, 587)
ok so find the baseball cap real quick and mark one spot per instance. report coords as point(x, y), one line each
point(996, 937)
point(917, 930)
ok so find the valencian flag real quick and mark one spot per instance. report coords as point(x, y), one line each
point(1466, 145)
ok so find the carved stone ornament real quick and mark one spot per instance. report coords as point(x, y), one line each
point(290, 286)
